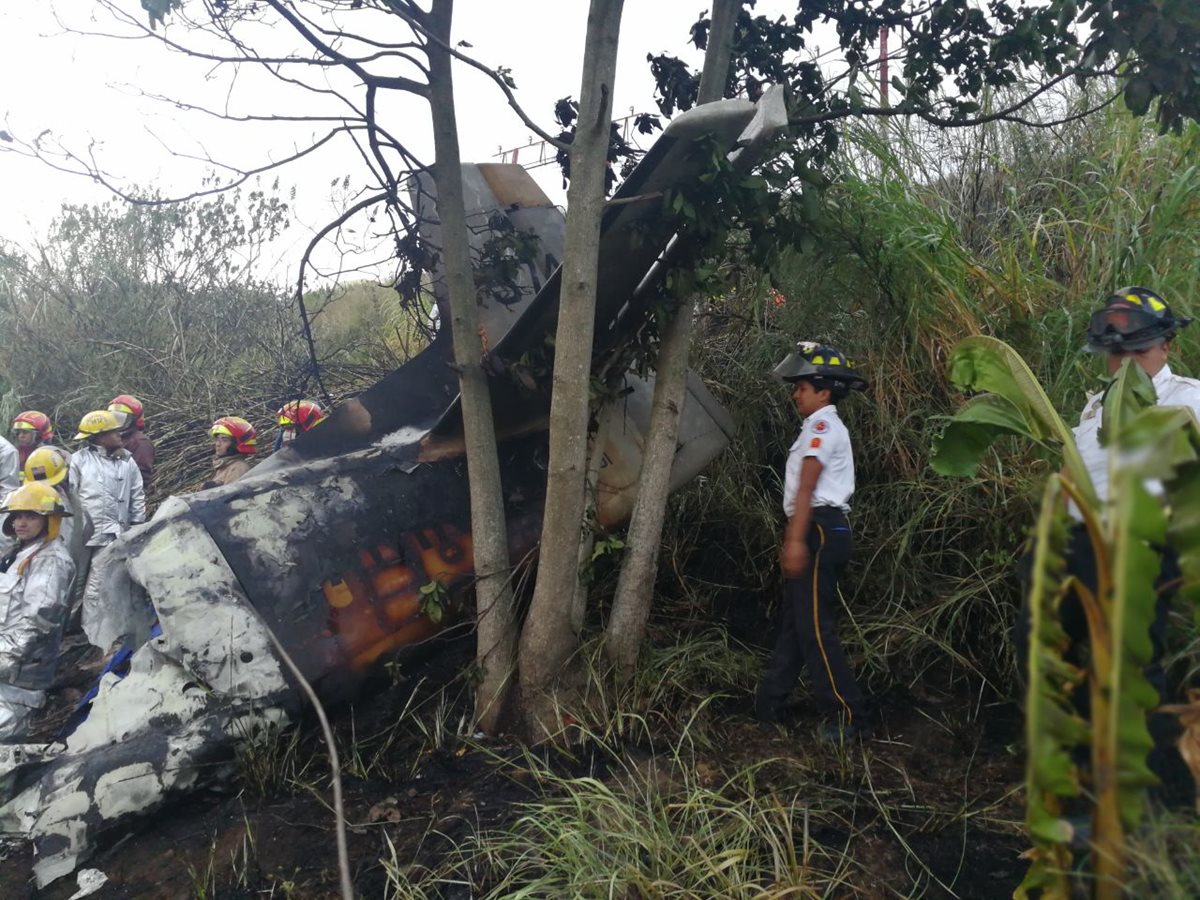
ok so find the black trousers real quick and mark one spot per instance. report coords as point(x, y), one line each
point(807, 632)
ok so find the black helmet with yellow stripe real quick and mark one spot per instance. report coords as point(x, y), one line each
point(823, 365)
point(1133, 318)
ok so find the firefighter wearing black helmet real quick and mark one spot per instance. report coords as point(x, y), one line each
point(1137, 323)
point(818, 485)
point(1134, 322)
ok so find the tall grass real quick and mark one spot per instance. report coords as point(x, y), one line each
point(655, 827)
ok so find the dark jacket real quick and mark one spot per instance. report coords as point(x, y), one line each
point(142, 451)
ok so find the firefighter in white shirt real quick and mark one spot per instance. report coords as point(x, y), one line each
point(818, 485)
point(1137, 323)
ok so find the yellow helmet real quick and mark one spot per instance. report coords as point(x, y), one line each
point(35, 497)
point(46, 464)
point(97, 422)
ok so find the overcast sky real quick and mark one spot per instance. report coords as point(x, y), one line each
point(90, 92)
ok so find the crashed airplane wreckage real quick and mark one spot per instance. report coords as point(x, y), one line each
point(328, 543)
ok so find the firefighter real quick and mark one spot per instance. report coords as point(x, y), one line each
point(32, 429)
point(108, 484)
point(296, 417)
point(234, 441)
point(818, 485)
point(1134, 322)
point(51, 465)
point(35, 583)
point(134, 436)
point(10, 467)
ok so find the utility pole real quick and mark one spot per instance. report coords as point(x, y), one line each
point(883, 66)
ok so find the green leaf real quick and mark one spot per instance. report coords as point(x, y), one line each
point(967, 436)
point(1138, 94)
point(1130, 391)
point(982, 364)
point(1183, 531)
point(1139, 524)
point(158, 10)
point(1052, 728)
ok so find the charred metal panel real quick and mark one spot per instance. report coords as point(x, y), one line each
point(426, 386)
point(333, 553)
point(628, 248)
point(420, 392)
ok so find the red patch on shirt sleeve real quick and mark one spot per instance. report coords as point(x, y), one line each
point(821, 426)
point(814, 443)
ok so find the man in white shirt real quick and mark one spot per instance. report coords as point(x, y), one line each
point(818, 485)
point(1135, 322)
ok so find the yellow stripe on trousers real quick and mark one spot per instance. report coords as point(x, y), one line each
point(817, 628)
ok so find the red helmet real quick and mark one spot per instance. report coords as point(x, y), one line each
point(245, 438)
point(32, 420)
point(131, 406)
point(300, 414)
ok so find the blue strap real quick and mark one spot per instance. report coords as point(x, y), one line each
point(118, 664)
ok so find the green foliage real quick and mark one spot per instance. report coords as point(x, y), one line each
point(1127, 538)
point(158, 10)
point(1010, 401)
point(957, 53)
point(1051, 724)
point(435, 597)
point(653, 830)
point(931, 237)
point(1165, 857)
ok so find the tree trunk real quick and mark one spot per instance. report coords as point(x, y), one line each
point(597, 446)
point(635, 585)
point(547, 639)
point(496, 629)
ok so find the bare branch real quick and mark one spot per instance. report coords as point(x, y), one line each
point(490, 73)
point(386, 81)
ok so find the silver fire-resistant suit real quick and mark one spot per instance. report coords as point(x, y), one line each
point(110, 491)
point(109, 487)
point(34, 593)
point(10, 468)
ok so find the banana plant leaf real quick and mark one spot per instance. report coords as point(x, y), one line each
point(1130, 392)
point(1138, 526)
point(1165, 443)
point(1011, 403)
point(1052, 728)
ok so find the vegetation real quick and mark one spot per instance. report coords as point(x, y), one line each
point(1127, 539)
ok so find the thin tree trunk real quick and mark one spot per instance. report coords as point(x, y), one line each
point(597, 446)
point(496, 629)
point(635, 585)
point(547, 639)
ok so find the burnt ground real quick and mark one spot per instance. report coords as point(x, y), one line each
point(929, 807)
